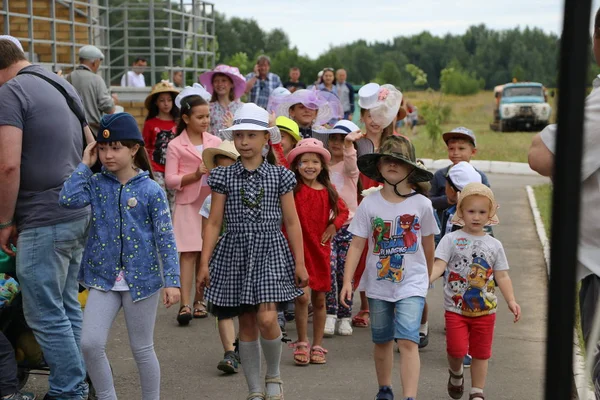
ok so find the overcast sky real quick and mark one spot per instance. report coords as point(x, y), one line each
point(314, 25)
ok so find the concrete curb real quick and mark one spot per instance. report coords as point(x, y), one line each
point(582, 383)
point(487, 166)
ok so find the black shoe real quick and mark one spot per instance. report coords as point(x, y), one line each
point(385, 393)
point(423, 340)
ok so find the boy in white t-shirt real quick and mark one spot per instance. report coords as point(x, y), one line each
point(470, 259)
point(398, 224)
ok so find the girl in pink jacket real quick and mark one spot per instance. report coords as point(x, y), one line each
point(186, 173)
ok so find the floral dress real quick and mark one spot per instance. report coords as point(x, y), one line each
point(252, 262)
point(217, 115)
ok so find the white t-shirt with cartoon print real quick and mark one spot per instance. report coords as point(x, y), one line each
point(469, 287)
point(396, 267)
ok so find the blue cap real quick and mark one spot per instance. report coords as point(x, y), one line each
point(119, 127)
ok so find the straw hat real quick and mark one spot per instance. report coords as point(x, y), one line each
point(195, 90)
point(476, 189)
point(160, 87)
point(233, 73)
point(399, 148)
point(226, 148)
point(310, 145)
point(328, 104)
point(382, 101)
point(250, 117)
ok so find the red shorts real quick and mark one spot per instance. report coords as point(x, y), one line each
point(472, 335)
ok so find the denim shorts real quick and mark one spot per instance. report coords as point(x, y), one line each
point(399, 320)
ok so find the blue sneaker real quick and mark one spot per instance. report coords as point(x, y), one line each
point(467, 361)
point(385, 393)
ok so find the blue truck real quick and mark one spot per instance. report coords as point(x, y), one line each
point(521, 106)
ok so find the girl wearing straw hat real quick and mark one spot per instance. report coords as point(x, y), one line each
point(398, 225)
point(249, 268)
point(226, 85)
point(159, 129)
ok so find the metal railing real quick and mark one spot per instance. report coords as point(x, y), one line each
point(170, 35)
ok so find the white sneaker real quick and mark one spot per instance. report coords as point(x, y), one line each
point(345, 327)
point(330, 326)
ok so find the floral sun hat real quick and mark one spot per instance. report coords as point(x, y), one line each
point(233, 73)
point(382, 101)
point(194, 90)
point(328, 104)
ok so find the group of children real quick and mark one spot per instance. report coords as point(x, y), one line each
point(270, 213)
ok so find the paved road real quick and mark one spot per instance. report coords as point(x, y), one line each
point(189, 355)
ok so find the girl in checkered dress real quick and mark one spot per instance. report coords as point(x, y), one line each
point(250, 268)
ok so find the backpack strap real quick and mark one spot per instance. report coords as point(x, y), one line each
point(70, 102)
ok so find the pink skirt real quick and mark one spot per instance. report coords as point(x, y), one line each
point(187, 223)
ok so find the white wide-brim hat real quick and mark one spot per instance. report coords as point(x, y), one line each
point(195, 90)
point(251, 117)
point(382, 101)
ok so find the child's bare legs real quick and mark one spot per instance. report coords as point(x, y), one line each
point(199, 294)
point(364, 303)
point(302, 315)
point(410, 367)
point(384, 362)
point(188, 261)
point(319, 316)
point(479, 370)
point(227, 333)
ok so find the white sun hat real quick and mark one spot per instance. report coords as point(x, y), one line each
point(343, 127)
point(461, 174)
point(195, 90)
point(382, 101)
point(14, 40)
point(251, 117)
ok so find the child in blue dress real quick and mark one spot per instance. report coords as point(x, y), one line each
point(130, 253)
point(250, 268)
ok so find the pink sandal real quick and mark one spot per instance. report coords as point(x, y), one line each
point(301, 353)
point(317, 355)
point(361, 320)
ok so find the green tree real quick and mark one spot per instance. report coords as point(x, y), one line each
point(390, 73)
point(241, 61)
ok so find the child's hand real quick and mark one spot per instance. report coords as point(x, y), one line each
point(171, 296)
point(90, 154)
point(515, 309)
point(202, 170)
point(228, 119)
point(272, 119)
point(202, 279)
point(301, 276)
point(354, 136)
point(328, 234)
point(346, 294)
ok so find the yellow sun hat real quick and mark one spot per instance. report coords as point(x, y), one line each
point(289, 126)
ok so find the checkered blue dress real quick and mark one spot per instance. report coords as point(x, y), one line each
point(252, 262)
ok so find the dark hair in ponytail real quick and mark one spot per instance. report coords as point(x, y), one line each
point(187, 104)
point(140, 159)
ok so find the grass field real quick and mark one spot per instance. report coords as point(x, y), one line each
point(543, 197)
point(474, 112)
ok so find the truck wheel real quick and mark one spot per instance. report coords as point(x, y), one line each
point(503, 126)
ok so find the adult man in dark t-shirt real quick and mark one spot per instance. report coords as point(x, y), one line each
point(41, 143)
point(294, 83)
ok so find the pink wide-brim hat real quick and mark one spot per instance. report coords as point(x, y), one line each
point(239, 82)
point(310, 145)
point(328, 104)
